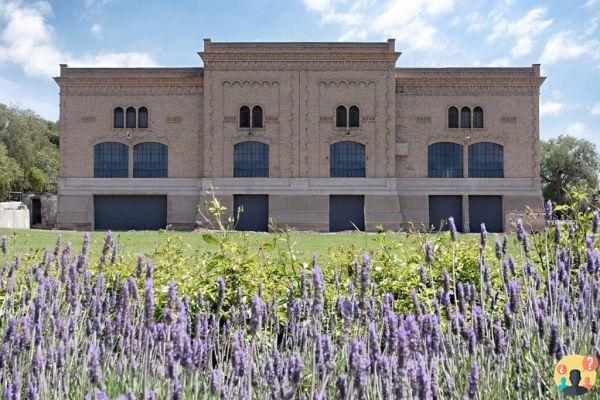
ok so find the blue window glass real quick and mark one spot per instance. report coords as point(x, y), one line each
point(111, 160)
point(341, 117)
point(354, 118)
point(244, 117)
point(251, 160)
point(118, 117)
point(257, 117)
point(445, 160)
point(453, 117)
point(465, 117)
point(486, 160)
point(478, 117)
point(143, 117)
point(347, 160)
point(150, 160)
point(130, 117)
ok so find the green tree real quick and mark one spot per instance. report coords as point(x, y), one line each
point(568, 162)
point(11, 174)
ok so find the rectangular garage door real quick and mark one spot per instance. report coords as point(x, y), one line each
point(486, 209)
point(255, 215)
point(121, 213)
point(443, 207)
point(346, 213)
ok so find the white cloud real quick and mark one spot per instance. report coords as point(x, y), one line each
point(524, 30)
point(29, 41)
point(411, 22)
point(551, 108)
point(591, 3)
point(500, 62)
point(579, 129)
point(563, 46)
point(97, 30)
point(595, 110)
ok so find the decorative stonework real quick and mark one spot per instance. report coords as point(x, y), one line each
point(88, 120)
point(509, 120)
point(174, 119)
point(229, 118)
point(423, 119)
point(346, 83)
point(466, 90)
point(249, 83)
point(272, 118)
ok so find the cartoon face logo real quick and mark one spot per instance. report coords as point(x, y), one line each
point(575, 375)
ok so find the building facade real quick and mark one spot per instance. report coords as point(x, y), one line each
point(316, 136)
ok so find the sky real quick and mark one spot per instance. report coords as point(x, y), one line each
point(562, 35)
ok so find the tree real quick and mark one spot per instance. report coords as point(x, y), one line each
point(11, 173)
point(568, 162)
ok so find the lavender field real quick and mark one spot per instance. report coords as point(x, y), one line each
point(459, 321)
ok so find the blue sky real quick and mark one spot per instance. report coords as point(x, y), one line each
point(35, 36)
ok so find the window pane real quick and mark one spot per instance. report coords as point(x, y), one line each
point(118, 117)
point(111, 160)
point(477, 117)
point(354, 117)
point(445, 160)
point(130, 117)
point(340, 117)
point(465, 117)
point(453, 117)
point(244, 117)
point(150, 160)
point(143, 117)
point(251, 160)
point(486, 160)
point(257, 117)
point(347, 160)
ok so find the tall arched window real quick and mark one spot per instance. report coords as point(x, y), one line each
point(453, 117)
point(143, 117)
point(354, 117)
point(244, 117)
point(347, 160)
point(118, 117)
point(486, 160)
point(111, 160)
point(150, 160)
point(478, 117)
point(341, 117)
point(465, 117)
point(130, 117)
point(251, 160)
point(257, 117)
point(445, 160)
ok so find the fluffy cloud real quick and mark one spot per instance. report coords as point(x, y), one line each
point(411, 22)
point(563, 46)
point(96, 29)
point(524, 30)
point(28, 40)
point(500, 62)
point(595, 110)
point(551, 108)
point(577, 129)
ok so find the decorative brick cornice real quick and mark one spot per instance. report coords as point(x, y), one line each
point(459, 90)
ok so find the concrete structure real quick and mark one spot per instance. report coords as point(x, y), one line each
point(14, 215)
point(43, 207)
point(199, 115)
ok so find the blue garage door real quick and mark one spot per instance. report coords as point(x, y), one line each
point(255, 214)
point(486, 209)
point(346, 213)
point(122, 213)
point(443, 207)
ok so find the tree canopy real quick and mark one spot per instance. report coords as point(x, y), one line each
point(568, 162)
point(28, 152)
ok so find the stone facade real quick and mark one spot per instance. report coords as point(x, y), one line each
point(195, 112)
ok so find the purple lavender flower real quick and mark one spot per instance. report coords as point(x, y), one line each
point(140, 265)
point(520, 230)
point(595, 222)
point(452, 229)
point(423, 275)
point(473, 381)
point(340, 385)
point(483, 235)
point(552, 338)
point(548, 211)
point(4, 244)
point(94, 365)
point(256, 316)
point(498, 248)
point(318, 294)
point(148, 304)
point(428, 252)
point(220, 296)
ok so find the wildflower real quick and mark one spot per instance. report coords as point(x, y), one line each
point(498, 248)
point(552, 338)
point(423, 275)
point(428, 252)
point(548, 211)
point(140, 265)
point(473, 381)
point(256, 316)
point(520, 230)
point(148, 303)
point(452, 229)
point(94, 365)
point(483, 235)
point(318, 294)
point(4, 244)
point(340, 385)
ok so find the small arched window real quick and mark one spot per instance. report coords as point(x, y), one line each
point(244, 117)
point(257, 117)
point(118, 117)
point(478, 117)
point(486, 160)
point(347, 160)
point(445, 160)
point(111, 160)
point(150, 160)
point(130, 118)
point(251, 160)
point(354, 117)
point(453, 117)
point(341, 117)
point(465, 117)
point(143, 117)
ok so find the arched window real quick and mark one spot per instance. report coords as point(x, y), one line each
point(130, 118)
point(465, 117)
point(244, 117)
point(354, 117)
point(111, 160)
point(143, 117)
point(118, 117)
point(486, 160)
point(445, 160)
point(478, 117)
point(347, 160)
point(150, 160)
point(251, 160)
point(453, 117)
point(257, 117)
point(341, 117)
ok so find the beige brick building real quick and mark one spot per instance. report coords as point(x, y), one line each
point(320, 136)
